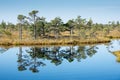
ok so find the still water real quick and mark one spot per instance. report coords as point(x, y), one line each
point(88, 62)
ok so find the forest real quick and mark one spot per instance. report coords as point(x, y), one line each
point(35, 30)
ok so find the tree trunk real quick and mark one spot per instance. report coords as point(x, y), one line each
point(79, 33)
point(35, 36)
point(71, 34)
point(56, 33)
point(43, 31)
point(20, 32)
point(35, 32)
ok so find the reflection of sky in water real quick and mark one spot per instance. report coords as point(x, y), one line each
point(114, 45)
point(101, 66)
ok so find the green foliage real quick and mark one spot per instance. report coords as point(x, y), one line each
point(5, 32)
point(56, 25)
point(90, 22)
point(71, 25)
point(33, 13)
point(21, 18)
point(3, 25)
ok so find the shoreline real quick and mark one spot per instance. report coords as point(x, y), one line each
point(10, 42)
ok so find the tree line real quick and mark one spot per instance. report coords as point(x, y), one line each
point(39, 27)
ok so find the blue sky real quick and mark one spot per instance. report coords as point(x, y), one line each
point(100, 11)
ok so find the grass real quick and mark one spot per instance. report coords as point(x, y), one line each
point(117, 54)
point(13, 39)
point(50, 42)
point(114, 34)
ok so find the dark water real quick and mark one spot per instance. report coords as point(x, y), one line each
point(90, 62)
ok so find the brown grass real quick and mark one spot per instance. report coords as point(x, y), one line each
point(114, 34)
point(50, 41)
point(27, 40)
point(117, 54)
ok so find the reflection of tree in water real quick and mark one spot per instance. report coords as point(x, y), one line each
point(54, 54)
point(21, 60)
point(35, 62)
point(79, 52)
point(31, 61)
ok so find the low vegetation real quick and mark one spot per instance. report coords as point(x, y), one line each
point(117, 54)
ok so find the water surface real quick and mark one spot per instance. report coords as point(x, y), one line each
point(89, 62)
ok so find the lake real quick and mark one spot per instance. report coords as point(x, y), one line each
point(78, 62)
